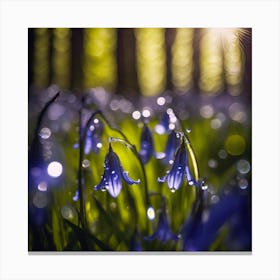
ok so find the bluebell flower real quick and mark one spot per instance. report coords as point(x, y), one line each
point(179, 169)
point(113, 173)
point(164, 122)
point(92, 140)
point(147, 144)
point(172, 144)
point(204, 232)
point(163, 232)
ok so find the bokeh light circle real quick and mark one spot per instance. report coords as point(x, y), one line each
point(55, 169)
point(235, 145)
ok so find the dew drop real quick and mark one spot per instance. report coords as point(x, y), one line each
point(243, 184)
point(45, 133)
point(151, 213)
point(67, 212)
point(42, 186)
point(136, 115)
point(188, 130)
point(161, 101)
point(146, 113)
point(171, 126)
point(243, 166)
point(204, 187)
point(99, 145)
point(172, 190)
point(86, 163)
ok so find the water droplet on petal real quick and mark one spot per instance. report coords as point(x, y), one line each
point(188, 130)
point(172, 190)
point(204, 187)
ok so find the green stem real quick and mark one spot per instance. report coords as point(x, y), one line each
point(47, 105)
point(80, 175)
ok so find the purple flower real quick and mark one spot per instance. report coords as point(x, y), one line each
point(91, 142)
point(172, 144)
point(147, 144)
point(113, 173)
point(163, 232)
point(179, 169)
point(164, 123)
point(92, 139)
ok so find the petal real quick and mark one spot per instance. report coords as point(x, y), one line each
point(162, 179)
point(87, 146)
point(175, 177)
point(114, 184)
point(128, 180)
point(101, 184)
point(189, 176)
point(147, 144)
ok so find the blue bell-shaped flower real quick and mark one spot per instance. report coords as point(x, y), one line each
point(113, 174)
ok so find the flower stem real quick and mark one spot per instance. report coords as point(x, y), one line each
point(47, 105)
point(80, 175)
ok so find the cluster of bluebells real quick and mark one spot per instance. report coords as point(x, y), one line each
point(175, 153)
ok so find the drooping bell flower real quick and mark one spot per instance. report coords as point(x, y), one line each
point(111, 180)
point(163, 126)
point(92, 140)
point(147, 144)
point(172, 144)
point(179, 169)
point(163, 232)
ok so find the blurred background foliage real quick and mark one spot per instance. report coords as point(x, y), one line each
point(133, 75)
